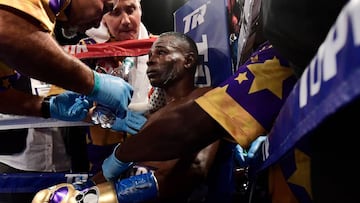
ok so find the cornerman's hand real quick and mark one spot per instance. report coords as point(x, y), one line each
point(112, 92)
point(132, 122)
point(255, 145)
point(69, 106)
point(240, 156)
point(244, 158)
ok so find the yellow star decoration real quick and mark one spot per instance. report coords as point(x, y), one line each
point(269, 75)
point(241, 77)
point(224, 88)
point(301, 175)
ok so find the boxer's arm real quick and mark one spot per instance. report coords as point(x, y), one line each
point(173, 131)
point(187, 172)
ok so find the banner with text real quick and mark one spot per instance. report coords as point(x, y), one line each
point(206, 23)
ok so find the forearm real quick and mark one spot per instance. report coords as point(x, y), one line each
point(187, 172)
point(54, 66)
point(20, 103)
point(34, 52)
point(171, 133)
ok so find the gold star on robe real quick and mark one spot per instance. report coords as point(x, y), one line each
point(301, 175)
point(241, 77)
point(269, 75)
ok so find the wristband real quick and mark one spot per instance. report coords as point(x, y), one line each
point(45, 108)
point(112, 167)
point(138, 188)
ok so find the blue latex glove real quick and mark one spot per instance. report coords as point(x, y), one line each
point(132, 122)
point(244, 158)
point(255, 145)
point(69, 106)
point(112, 92)
point(112, 167)
point(240, 155)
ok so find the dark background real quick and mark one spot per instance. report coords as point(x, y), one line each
point(158, 14)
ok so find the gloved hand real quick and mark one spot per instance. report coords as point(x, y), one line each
point(69, 106)
point(112, 167)
point(255, 145)
point(244, 158)
point(112, 92)
point(138, 188)
point(66, 192)
point(240, 156)
point(132, 122)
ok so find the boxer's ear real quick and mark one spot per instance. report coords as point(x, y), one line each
point(190, 60)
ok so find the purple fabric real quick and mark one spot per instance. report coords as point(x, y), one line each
point(253, 102)
point(59, 195)
point(56, 5)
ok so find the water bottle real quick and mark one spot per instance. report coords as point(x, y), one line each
point(124, 70)
point(103, 115)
